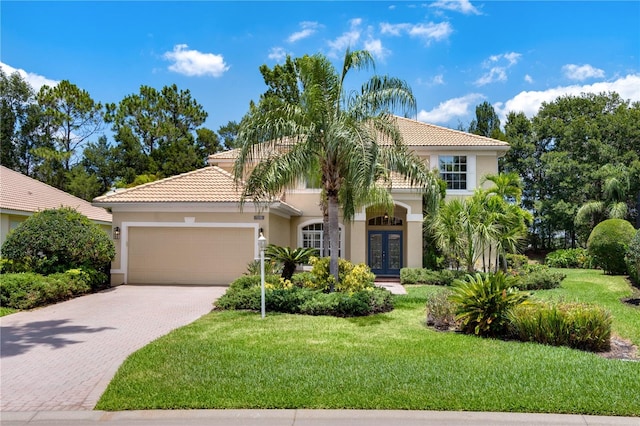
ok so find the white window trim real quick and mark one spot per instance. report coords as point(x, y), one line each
point(313, 222)
point(471, 172)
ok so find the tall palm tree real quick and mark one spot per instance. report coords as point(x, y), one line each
point(346, 136)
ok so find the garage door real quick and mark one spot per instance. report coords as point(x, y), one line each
point(188, 255)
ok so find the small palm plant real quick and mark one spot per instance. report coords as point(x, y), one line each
point(289, 258)
point(484, 303)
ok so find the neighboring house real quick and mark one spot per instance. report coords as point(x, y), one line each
point(190, 229)
point(22, 196)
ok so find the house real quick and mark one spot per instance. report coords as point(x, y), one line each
point(190, 229)
point(22, 196)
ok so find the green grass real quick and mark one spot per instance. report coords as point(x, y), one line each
point(387, 361)
point(6, 311)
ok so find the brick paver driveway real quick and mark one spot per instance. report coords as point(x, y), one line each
point(63, 356)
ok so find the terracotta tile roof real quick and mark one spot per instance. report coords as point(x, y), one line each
point(417, 133)
point(207, 185)
point(23, 194)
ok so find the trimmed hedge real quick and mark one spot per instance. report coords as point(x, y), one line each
point(445, 277)
point(27, 290)
point(282, 296)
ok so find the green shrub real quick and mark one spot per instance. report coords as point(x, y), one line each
point(539, 279)
point(353, 278)
point(633, 258)
point(56, 240)
point(361, 303)
point(517, 262)
point(483, 303)
point(608, 244)
point(576, 325)
point(569, 258)
point(241, 299)
point(440, 311)
point(283, 296)
point(303, 279)
point(425, 276)
point(27, 290)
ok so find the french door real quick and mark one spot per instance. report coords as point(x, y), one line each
point(385, 252)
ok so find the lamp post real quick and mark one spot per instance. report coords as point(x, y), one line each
point(262, 244)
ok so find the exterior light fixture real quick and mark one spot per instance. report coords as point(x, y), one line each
point(116, 233)
point(262, 245)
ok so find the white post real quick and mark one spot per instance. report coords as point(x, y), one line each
point(262, 243)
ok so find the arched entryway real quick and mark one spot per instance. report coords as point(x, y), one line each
point(386, 244)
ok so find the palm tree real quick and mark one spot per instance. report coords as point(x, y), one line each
point(347, 137)
point(615, 187)
point(506, 185)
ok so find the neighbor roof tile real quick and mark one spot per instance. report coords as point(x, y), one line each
point(24, 194)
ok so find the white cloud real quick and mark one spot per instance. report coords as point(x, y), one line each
point(35, 81)
point(426, 32)
point(436, 80)
point(497, 67)
point(377, 50)
point(493, 75)
point(529, 102)
point(450, 109)
point(462, 6)
point(581, 72)
point(194, 63)
point(347, 39)
point(308, 29)
point(528, 78)
point(277, 54)
point(394, 29)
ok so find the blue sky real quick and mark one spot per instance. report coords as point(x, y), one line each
point(454, 54)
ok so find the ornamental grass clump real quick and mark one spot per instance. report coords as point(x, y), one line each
point(484, 302)
point(576, 325)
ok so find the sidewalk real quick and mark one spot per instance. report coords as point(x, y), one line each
point(303, 418)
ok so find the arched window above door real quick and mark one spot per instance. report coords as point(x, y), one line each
point(385, 220)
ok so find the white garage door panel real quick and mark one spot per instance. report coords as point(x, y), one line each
point(188, 255)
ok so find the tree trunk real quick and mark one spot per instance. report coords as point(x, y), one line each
point(334, 236)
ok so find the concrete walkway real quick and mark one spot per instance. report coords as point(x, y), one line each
point(305, 418)
point(63, 356)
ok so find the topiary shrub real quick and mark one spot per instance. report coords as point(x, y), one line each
point(633, 258)
point(608, 244)
point(56, 240)
point(483, 303)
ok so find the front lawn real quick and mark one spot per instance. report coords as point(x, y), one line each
point(234, 359)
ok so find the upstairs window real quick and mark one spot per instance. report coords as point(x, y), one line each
point(453, 170)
